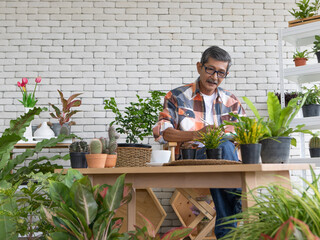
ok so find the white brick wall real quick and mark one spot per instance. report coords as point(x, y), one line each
point(108, 48)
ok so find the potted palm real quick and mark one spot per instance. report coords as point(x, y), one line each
point(78, 150)
point(247, 134)
point(316, 47)
point(276, 143)
point(300, 58)
point(211, 139)
point(311, 106)
point(64, 115)
point(136, 122)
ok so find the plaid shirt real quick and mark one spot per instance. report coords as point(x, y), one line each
point(184, 107)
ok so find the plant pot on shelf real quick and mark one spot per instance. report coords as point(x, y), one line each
point(188, 153)
point(96, 160)
point(215, 153)
point(314, 152)
point(78, 160)
point(56, 127)
point(250, 153)
point(275, 150)
point(133, 154)
point(311, 110)
point(300, 61)
point(318, 56)
point(111, 161)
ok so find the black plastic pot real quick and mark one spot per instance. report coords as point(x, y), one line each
point(134, 145)
point(314, 152)
point(78, 160)
point(275, 150)
point(250, 153)
point(215, 153)
point(318, 56)
point(188, 153)
point(311, 110)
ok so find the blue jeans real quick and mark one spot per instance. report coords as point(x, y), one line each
point(225, 201)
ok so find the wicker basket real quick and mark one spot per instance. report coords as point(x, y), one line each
point(133, 156)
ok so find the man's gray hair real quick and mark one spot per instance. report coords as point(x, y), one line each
point(216, 53)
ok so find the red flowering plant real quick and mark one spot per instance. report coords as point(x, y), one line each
point(28, 99)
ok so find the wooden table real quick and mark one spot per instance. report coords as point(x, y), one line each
point(245, 176)
point(32, 145)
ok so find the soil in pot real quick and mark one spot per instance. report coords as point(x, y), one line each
point(78, 160)
point(314, 152)
point(188, 153)
point(250, 153)
point(111, 161)
point(311, 110)
point(215, 153)
point(96, 160)
point(275, 150)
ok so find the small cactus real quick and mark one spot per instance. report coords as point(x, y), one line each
point(64, 130)
point(314, 142)
point(113, 136)
point(104, 143)
point(79, 146)
point(95, 146)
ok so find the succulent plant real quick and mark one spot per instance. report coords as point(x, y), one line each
point(314, 142)
point(104, 143)
point(65, 130)
point(113, 136)
point(79, 146)
point(95, 146)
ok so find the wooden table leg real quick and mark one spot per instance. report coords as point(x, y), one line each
point(132, 211)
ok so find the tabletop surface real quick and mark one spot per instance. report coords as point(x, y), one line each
point(194, 169)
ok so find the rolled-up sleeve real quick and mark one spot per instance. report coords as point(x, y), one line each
point(167, 118)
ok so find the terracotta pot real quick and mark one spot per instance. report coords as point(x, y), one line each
point(111, 161)
point(300, 61)
point(96, 160)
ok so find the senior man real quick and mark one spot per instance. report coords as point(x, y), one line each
point(189, 108)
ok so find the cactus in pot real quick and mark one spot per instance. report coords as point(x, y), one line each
point(78, 150)
point(314, 145)
point(96, 158)
point(111, 147)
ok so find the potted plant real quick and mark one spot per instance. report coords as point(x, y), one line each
point(316, 47)
point(97, 157)
point(211, 139)
point(247, 134)
point(314, 145)
point(188, 150)
point(300, 58)
point(311, 106)
point(78, 150)
point(110, 146)
point(65, 113)
point(136, 122)
point(287, 96)
point(305, 13)
point(276, 143)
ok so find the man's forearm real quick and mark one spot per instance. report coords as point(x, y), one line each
point(174, 135)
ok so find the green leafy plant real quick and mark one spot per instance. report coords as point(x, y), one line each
point(212, 138)
point(305, 9)
point(138, 118)
point(65, 113)
point(287, 96)
point(303, 54)
point(312, 95)
point(316, 47)
point(84, 211)
point(274, 206)
point(247, 130)
point(280, 118)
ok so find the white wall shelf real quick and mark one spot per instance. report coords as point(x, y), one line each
point(311, 123)
point(303, 74)
point(315, 161)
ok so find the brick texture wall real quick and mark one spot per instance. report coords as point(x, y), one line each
point(118, 48)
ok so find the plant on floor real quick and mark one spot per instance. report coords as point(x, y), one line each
point(84, 211)
point(65, 113)
point(274, 206)
point(279, 119)
point(305, 9)
point(138, 118)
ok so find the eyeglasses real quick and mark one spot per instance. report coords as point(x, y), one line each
point(212, 71)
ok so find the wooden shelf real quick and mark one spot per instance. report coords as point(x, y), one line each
point(33, 144)
point(303, 74)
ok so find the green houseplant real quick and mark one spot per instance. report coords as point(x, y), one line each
point(305, 9)
point(274, 206)
point(316, 47)
point(77, 151)
point(311, 106)
point(211, 139)
point(287, 96)
point(65, 113)
point(300, 58)
point(247, 133)
point(136, 122)
point(276, 145)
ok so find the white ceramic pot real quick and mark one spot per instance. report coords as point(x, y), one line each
point(43, 132)
point(160, 156)
point(28, 133)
